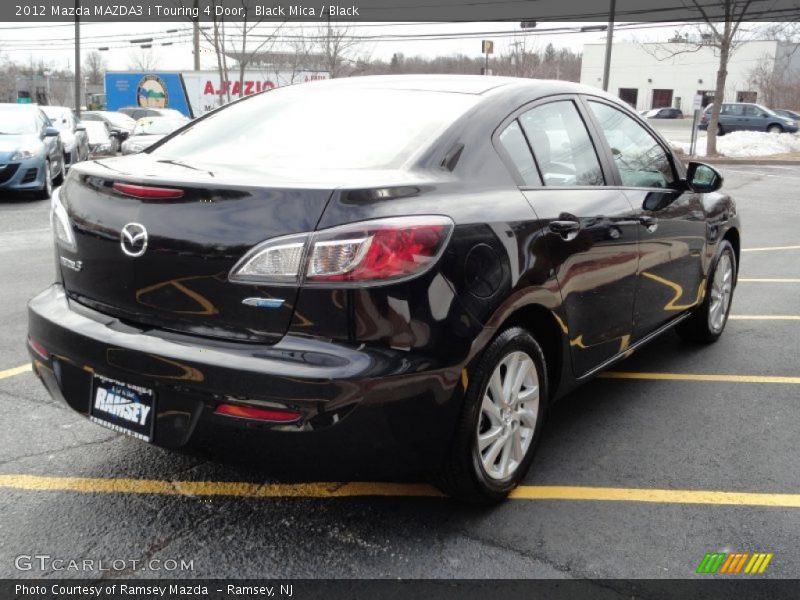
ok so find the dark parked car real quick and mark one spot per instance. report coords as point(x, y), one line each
point(415, 262)
point(73, 133)
point(138, 112)
point(742, 116)
point(148, 131)
point(663, 113)
point(31, 153)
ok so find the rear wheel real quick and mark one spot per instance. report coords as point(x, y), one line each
point(720, 130)
point(708, 321)
point(774, 129)
point(501, 420)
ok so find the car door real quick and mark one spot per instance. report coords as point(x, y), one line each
point(589, 230)
point(51, 143)
point(755, 118)
point(673, 232)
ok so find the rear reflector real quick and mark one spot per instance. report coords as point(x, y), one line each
point(259, 414)
point(145, 191)
point(39, 349)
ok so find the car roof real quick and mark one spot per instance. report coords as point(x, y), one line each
point(459, 84)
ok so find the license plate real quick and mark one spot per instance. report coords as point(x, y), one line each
point(122, 407)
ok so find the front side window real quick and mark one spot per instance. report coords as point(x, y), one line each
point(561, 145)
point(640, 159)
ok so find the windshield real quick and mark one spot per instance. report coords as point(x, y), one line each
point(96, 131)
point(60, 118)
point(320, 128)
point(15, 121)
point(157, 125)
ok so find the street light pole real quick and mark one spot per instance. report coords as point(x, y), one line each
point(77, 59)
point(609, 40)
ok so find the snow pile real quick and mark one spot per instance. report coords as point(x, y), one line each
point(746, 144)
point(757, 143)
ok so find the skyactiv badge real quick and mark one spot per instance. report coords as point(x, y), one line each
point(735, 563)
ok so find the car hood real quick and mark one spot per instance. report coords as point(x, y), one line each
point(11, 143)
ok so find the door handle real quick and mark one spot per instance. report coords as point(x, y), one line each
point(650, 222)
point(566, 229)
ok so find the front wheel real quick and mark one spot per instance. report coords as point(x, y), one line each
point(720, 130)
point(47, 187)
point(774, 129)
point(501, 420)
point(708, 321)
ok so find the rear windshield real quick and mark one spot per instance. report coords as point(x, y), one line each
point(306, 126)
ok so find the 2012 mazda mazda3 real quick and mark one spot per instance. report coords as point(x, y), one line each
point(428, 259)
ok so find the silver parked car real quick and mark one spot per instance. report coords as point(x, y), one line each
point(73, 133)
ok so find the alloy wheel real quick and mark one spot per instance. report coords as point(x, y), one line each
point(721, 291)
point(508, 415)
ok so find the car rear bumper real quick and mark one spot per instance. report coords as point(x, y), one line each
point(388, 395)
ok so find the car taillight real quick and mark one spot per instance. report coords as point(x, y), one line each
point(364, 253)
point(146, 192)
point(258, 414)
point(59, 221)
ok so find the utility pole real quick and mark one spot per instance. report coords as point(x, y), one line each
point(77, 59)
point(196, 35)
point(609, 40)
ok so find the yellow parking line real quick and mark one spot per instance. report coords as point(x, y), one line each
point(766, 280)
point(15, 371)
point(535, 492)
point(764, 317)
point(766, 249)
point(698, 377)
point(89, 485)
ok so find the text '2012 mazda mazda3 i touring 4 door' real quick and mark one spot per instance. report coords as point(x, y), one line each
point(420, 259)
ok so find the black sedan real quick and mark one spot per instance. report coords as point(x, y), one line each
point(420, 262)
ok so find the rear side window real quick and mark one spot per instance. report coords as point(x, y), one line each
point(561, 145)
point(515, 144)
point(326, 127)
point(640, 159)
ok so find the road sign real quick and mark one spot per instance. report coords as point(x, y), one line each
point(697, 102)
point(487, 47)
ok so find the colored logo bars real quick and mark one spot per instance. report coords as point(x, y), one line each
point(735, 562)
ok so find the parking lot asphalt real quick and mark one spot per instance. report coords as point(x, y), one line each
point(680, 451)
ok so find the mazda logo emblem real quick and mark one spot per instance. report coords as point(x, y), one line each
point(133, 239)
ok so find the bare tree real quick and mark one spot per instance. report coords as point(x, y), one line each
point(95, 67)
point(143, 59)
point(338, 48)
point(723, 35)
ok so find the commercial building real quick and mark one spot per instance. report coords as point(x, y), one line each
point(656, 75)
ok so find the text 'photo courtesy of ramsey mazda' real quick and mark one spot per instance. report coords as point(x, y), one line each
point(427, 260)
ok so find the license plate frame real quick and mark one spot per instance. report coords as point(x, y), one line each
point(123, 407)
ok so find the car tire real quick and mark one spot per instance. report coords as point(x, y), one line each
point(774, 129)
point(708, 321)
point(47, 187)
point(59, 179)
point(500, 422)
point(720, 130)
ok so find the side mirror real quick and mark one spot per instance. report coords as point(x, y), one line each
point(702, 178)
point(80, 127)
point(50, 132)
